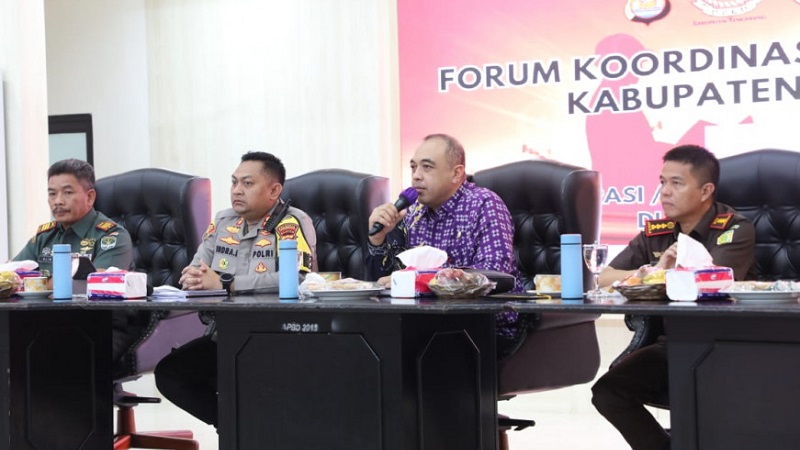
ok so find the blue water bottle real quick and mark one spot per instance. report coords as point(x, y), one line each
point(62, 272)
point(571, 267)
point(287, 269)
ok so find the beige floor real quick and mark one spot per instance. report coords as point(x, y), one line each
point(565, 419)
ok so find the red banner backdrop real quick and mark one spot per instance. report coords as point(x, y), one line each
point(609, 85)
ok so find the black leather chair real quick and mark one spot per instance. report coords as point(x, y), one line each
point(166, 214)
point(339, 202)
point(763, 186)
point(547, 199)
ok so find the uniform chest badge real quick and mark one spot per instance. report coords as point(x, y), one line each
point(230, 240)
point(263, 242)
point(232, 229)
point(659, 227)
point(223, 263)
point(264, 233)
point(88, 242)
point(261, 268)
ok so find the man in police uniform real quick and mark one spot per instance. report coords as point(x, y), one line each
point(688, 180)
point(71, 194)
point(239, 253)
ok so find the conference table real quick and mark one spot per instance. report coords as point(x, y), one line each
point(370, 373)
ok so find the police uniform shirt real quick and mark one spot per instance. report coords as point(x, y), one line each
point(250, 253)
point(728, 236)
point(101, 239)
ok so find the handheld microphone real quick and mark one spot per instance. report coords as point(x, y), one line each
point(406, 198)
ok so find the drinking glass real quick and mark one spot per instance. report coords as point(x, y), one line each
point(595, 255)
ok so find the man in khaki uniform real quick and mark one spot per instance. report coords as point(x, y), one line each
point(688, 181)
point(71, 194)
point(239, 253)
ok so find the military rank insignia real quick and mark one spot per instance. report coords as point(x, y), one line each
point(105, 225)
point(230, 240)
point(209, 231)
point(46, 227)
point(721, 221)
point(659, 227)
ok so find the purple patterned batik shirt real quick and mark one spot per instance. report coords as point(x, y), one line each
point(473, 227)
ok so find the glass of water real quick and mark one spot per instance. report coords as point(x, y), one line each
point(595, 256)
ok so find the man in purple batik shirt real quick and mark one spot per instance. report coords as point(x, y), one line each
point(470, 223)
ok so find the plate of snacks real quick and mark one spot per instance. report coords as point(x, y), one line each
point(458, 283)
point(648, 283)
point(9, 283)
point(344, 289)
point(763, 292)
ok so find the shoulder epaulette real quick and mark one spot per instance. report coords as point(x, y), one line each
point(658, 227)
point(210, 230)
point(46, 227)
point(105, 225)
point(721, 221)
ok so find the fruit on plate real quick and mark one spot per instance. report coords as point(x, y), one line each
point(645, 275)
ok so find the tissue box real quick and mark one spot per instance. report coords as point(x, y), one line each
point(116, 285)
point(698, 283)
point(410, 283)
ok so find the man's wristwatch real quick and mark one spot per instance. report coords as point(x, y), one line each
point(227, 281)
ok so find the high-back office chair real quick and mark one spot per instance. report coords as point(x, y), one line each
point(339, 202)
point(547, 199)
point(763, 186)
point(166, 214)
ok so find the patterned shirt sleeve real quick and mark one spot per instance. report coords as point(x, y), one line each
point(495, 240)
point(382, 260)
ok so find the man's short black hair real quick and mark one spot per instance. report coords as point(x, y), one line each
point(272, 164)
point(81, 170)
point(705, 166)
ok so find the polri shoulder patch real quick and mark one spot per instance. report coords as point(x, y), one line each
point(721, 221)
point(659, 227)
point(105, 225)
point(46, 227)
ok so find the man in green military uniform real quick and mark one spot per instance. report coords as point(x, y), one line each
point(239, 253)
point(71, 194)
point(688, 180)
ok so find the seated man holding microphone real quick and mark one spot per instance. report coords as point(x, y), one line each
point(470, 223)
point(239, 253)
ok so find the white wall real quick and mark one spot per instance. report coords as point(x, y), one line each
point(22, 71)
point(190, 85)
point(97, 64)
